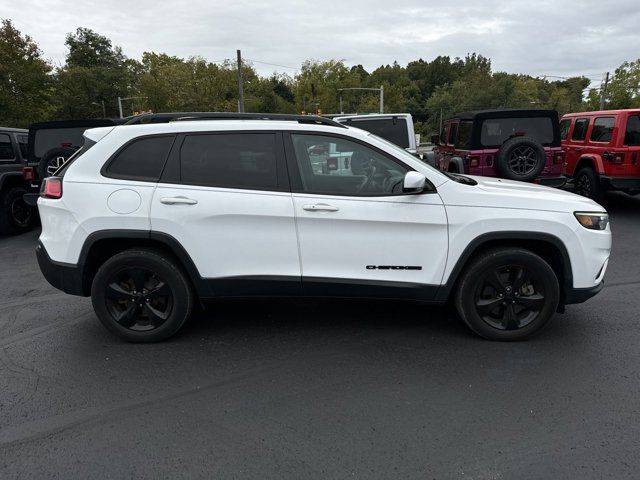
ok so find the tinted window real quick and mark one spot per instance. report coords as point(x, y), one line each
point(602, 129)
point(49, 138)
point(453, 131)
point(339, 166)
point(580, 129)
point(234, 160)
point(6, 150)
point(392, 129)
point(496, 131)
point(142, 159)
point(564, 128)
point(23, 140)
point(464, 134)
point(632, 132)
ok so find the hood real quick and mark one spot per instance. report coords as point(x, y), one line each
point(501, 193)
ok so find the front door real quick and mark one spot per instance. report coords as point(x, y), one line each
point(359, 235)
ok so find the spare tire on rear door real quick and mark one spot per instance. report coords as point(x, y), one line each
point(521, 158)
point(53, 159)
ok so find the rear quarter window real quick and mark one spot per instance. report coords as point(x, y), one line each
point(580, 129)
point(142, 159)
point(632, 131)
point(564, 128)
point(6, 149)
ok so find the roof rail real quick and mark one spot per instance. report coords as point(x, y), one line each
point(308, 119)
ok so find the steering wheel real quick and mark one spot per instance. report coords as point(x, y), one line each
point(368, 179)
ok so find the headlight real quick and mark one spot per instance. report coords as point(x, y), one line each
point(593, 220)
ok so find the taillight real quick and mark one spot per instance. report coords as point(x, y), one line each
point(558, 157)
point(474, 160)
point(27, 173)
point(52, 187)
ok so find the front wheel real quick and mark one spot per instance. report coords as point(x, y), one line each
point(141, 296)
point(507, 294)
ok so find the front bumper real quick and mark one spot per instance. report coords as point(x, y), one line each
point(580, 295)
point(556, 182)
point(63, 276)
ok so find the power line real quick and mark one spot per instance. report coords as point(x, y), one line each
point(272, 64)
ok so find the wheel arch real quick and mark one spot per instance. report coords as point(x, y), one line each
point(102, 245)
point(593, 161)
point(457, 163)
point(547, 246)
point(11, 179)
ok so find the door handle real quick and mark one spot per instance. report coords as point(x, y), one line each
point(178, 201)
point(578, 149)
point(320, 207)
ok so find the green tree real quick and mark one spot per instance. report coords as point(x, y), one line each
point(24, 79)
point(95, 71)
point(623, 90)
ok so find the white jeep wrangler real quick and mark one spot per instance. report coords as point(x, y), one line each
point(150, 219)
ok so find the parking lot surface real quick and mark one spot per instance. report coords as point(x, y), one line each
point(320, 389)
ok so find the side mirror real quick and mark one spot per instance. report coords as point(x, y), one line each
point(414, 182)
point(435, 139)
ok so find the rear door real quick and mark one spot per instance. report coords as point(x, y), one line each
point(358, 233)
point(574, 145)
point(225, 198)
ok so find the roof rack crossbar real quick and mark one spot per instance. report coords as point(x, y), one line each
point(308, 119)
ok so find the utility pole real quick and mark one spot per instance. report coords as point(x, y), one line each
point(381, 98)
point(441, 113)
point(120, 106)
point(603, 91)
point(240, 91)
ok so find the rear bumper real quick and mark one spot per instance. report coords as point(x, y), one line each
point(552, 181)
point(620, 183)
point(580, 295)
point(63, 276)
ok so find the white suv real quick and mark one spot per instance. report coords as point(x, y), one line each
point(150, 219)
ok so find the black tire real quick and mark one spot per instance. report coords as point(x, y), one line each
point(151, 315)
point(507, 294)
point(15, 215)
point(52, 160)
point(587, 183)
point(521, 158)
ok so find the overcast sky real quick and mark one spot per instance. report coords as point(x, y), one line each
point(561, 37)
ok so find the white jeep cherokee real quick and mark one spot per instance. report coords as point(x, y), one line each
point(150, 219)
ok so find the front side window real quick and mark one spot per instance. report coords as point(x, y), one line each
point(602, 129)
point(580, 129)
point(632, 132)
point(230, 160)
point(495, 131)
point(6, 150)
point(337, 166)
point(142, 159)
point(564, 128)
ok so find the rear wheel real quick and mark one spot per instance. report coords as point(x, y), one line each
point(141, 296)
point(15, 215)
point(587, 184)
point(507, 294)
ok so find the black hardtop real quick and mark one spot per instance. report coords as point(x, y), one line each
point(504, 113)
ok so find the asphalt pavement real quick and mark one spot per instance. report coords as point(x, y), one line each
point(320, 389)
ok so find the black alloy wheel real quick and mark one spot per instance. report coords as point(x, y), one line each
point(139, 299)
point(508, 298)
point(21, 213)
point(523, 160)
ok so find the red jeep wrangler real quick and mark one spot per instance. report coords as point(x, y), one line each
point(515, 144)
point(602, 151)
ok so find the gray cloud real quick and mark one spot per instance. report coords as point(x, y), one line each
point(535, 37)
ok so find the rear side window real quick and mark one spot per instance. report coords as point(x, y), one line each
point(142, 159)
point(632, 132)
point(453, 132)
point(496, 131)
point(580, 129)
point(464, 134)
point(6, 150)
point(230, 160)
point(602, 129)
point(564, 128)
point(393, 129)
